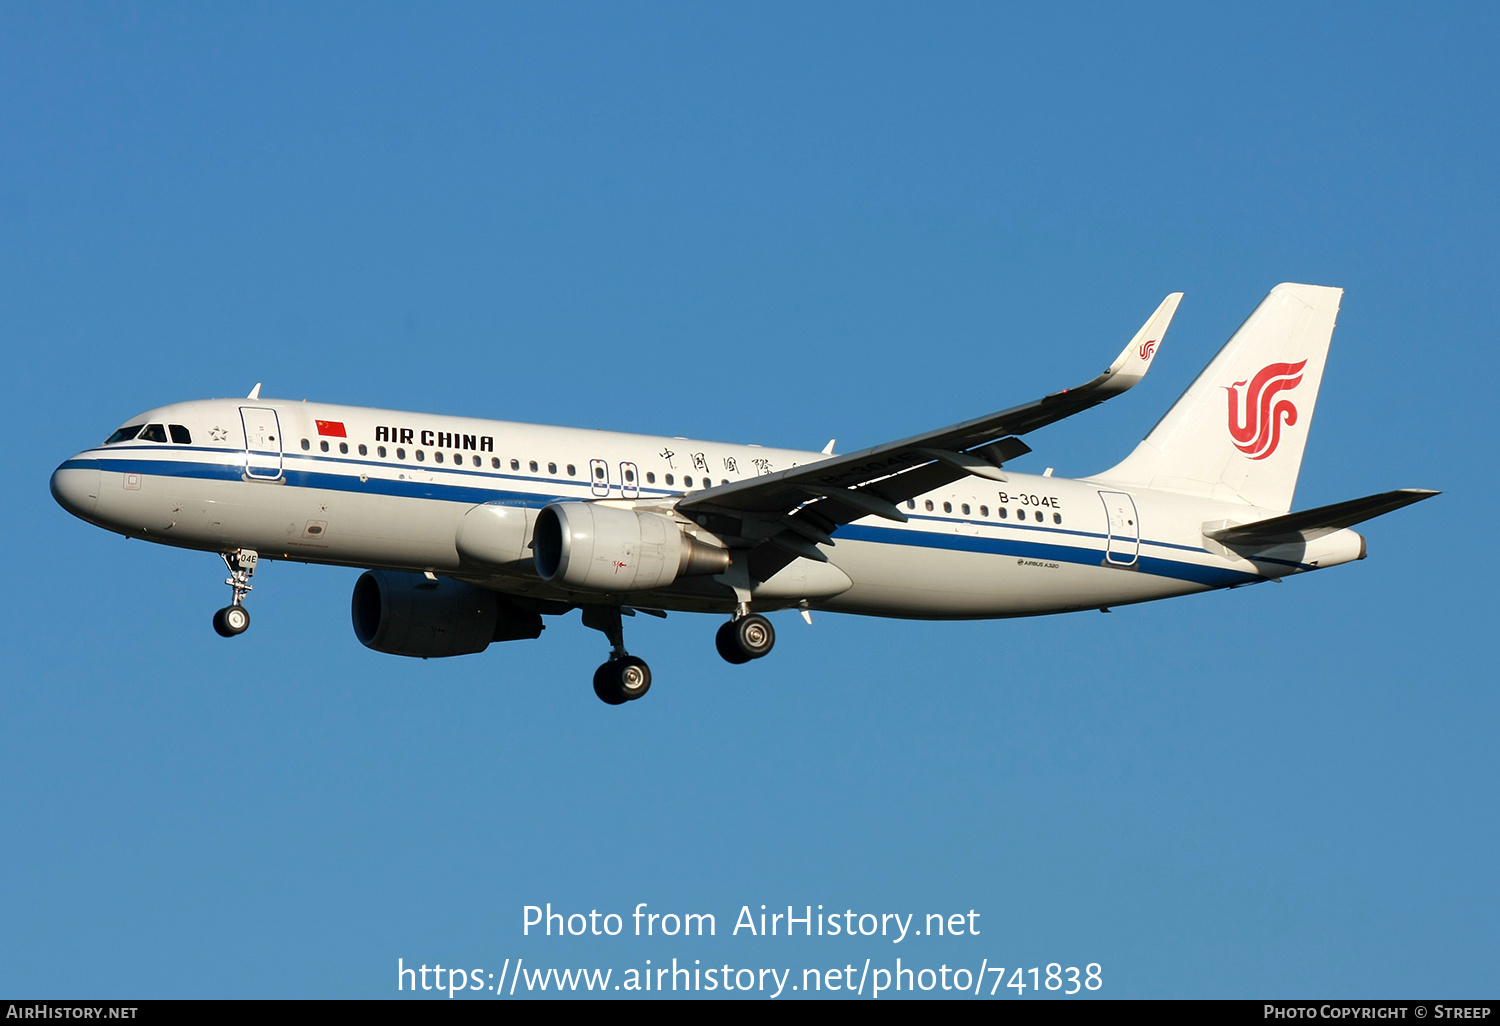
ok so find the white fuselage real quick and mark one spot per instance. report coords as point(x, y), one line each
point(391, 491)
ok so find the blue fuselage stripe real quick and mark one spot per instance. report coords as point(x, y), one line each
point(1084, 555)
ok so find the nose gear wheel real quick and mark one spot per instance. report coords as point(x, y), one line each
point(231, 620)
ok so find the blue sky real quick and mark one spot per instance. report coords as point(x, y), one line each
point(775, 224)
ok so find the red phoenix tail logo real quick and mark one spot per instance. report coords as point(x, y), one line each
point(1147, 348)
point(1256, 429)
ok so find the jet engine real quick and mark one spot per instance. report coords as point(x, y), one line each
point(606, 548)
point(408, 614)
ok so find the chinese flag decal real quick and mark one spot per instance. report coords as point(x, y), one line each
point(332, 428)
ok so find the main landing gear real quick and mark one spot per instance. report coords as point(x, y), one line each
point(748, 636)
point(625, 677)
point(235, 618)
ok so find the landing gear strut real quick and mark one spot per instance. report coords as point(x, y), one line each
point(748, 636)
point(624, 678)
point(235, 618)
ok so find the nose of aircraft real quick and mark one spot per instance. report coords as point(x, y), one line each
point(75, 486)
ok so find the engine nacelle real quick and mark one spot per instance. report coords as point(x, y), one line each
point(407, 614)
point(606, 548)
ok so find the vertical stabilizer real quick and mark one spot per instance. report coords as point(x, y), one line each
point(1239, 431)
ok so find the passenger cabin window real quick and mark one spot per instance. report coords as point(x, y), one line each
point(1057, 518)
point(363, 450)
point(687, 482)
point(400, 454)
point(421, 456)
point(572, 470)
point(154, 433)
point(651, 477)
point(1003, 512)
point(380, 451)
point(495, 462)
point(437, 457)
point(984, 511)
point(533, 466)
point(911, 503)
point(477, 461)
point(515, 464)
point(669, 479)
point(180, 434)
point(947, 507)
point(928, 504)
point(552, 468)
point(125, 434)
point(965, 508)
point(306, 445)
point(344, 448)
point(323, 444)
point(1039, 516)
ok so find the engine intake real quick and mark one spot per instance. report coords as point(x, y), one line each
point(605, 548)
point(407, 614)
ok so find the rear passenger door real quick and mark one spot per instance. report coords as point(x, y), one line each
point(1124, 545)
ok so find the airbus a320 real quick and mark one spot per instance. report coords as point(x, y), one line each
point(472, 531)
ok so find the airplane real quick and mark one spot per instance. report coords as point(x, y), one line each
point(471, 531)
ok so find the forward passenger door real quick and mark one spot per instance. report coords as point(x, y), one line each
point(262, 443)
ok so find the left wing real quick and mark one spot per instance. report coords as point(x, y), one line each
point(793, 509)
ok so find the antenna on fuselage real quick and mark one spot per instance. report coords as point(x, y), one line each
point(254, 392)
point(828, 449)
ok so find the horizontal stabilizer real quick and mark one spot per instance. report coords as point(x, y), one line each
point(1312, 523)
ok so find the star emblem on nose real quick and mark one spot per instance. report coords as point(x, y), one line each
point(218, 434)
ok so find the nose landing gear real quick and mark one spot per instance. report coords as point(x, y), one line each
point(746, 637)
point(624, 678)
point(235, 618)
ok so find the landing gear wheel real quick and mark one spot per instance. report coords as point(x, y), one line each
point(634, 677)
point(622, 680)
point(231, 620)
point(728, 648)
point(607, 689)
point(747, 638)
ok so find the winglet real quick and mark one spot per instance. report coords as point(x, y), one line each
point(1135, 359)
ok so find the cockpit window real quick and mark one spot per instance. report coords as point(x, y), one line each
point(180, 434)
point(125, 434)
point(154, 433)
